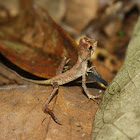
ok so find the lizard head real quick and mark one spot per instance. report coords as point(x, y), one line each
point(86, 48)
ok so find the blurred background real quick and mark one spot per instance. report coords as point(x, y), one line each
point(111, 22)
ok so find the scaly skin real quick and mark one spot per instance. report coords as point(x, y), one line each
point(85, 50)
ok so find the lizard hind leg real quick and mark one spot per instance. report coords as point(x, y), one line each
point(45, 105)
point(55, 89)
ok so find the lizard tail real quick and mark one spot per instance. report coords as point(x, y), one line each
point(40, 82)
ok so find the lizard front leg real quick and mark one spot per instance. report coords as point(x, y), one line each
point(93, 97)
point(90, 69)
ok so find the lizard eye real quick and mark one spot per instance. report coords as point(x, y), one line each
point(90, 48)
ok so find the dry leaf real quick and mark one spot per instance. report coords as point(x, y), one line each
point(22, 116)
point(35, 43)
point(118, 117)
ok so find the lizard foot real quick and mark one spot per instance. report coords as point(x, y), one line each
point(90, 69)
point(46, 110)
point(93, 97)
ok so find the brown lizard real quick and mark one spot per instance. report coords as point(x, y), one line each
point(86, 48)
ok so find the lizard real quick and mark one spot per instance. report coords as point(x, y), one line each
point(86, 48)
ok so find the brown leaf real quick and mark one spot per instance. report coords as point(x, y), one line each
point(35, 43)
point(22, 118)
